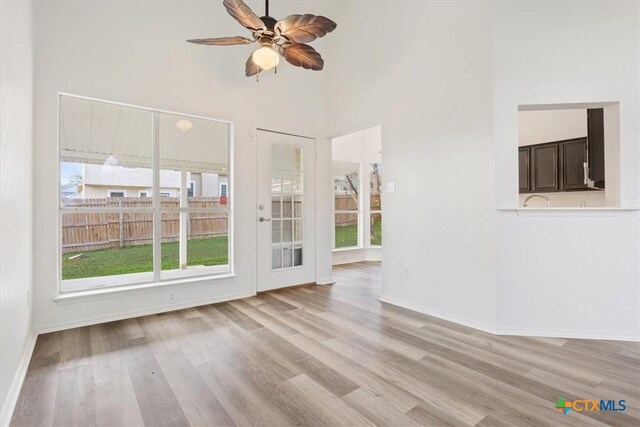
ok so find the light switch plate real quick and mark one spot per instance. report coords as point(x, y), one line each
point(391, 187)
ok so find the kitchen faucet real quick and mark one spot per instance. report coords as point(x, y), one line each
point(537, 195)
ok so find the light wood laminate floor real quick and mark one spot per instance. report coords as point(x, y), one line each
point(316, 356)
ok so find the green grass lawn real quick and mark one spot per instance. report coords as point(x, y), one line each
point(139, 259)
point(347, 236)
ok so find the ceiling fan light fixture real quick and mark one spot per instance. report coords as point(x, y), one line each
point(287, 37)
point(266, 58)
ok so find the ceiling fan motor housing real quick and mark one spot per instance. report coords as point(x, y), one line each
point(269, 22)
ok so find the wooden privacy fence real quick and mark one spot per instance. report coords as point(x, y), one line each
point(102, 230)
point(345, 202)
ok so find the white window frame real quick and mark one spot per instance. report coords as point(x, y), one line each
point(145, 192)
point(160, 277)
point(358, 212)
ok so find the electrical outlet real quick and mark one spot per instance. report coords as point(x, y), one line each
point(406, 272)
point(172, 297)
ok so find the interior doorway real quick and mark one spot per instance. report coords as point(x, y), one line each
point(357, 176)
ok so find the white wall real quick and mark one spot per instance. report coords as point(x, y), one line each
point(16, 119)
point(135, 52)
point(430, 89)
point(447, 98)
point(577, 274)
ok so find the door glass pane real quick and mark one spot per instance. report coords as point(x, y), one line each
point(286, 206)
point(276, 207)
point(276, 231)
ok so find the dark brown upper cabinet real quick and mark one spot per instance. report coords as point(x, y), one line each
point(545, 167)
point(595, 138)
point(524, 169)
point(553, 166)
point(573, 156)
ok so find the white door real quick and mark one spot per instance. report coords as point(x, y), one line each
point(286, 210)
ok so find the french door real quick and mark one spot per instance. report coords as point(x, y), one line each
point(285, 210)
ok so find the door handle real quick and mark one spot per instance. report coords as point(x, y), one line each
point(263, 219)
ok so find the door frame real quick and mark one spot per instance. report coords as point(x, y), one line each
point(257, 194)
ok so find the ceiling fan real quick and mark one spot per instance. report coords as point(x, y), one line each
point(287, 37)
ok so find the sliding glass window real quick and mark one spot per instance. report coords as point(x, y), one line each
point(140, 197)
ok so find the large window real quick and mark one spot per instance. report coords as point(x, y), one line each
point(347, 204)
point(139, 195)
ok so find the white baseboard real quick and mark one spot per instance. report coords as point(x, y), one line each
point(514, 331)
point(567, 334)
point(87, 322)
point(18, 379)
point(325, 281)
point(483, 327)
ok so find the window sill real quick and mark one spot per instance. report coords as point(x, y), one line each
point(347, 249)
point(94, 294)
point(568, 211)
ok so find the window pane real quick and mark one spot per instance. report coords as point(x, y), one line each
point(207, 247)
point(346, 185)
point(276, 207)
point(346, 230)
point(105, 153)
point(194, 155)
point(376, 229)
point(98, 244)
point(287, 206)
point(375, 176)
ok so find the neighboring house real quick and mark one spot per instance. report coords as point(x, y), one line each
point(120, 181)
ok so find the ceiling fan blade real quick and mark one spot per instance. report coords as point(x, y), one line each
point(303, 55)
point(222, 41)
point(244, 15)
point(251, 69)
point(304, 28)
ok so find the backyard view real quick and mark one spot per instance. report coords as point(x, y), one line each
point(347, 209)
point(347, 235)
point(139, 259)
